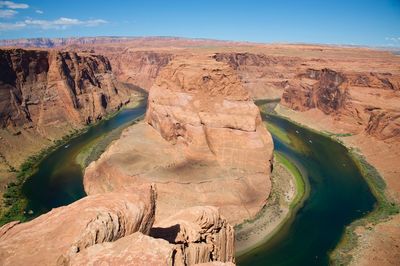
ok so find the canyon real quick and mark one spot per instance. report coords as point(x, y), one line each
point(202, 141)
point(45, 95)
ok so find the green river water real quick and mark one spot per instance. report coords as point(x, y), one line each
point(338, 192)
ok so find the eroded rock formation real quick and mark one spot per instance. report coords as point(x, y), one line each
point(209, 142)
point(59, 234)
point(43, 88)
point(115, 228)
point(349, 97)
point(327, 93)
point(194, 235)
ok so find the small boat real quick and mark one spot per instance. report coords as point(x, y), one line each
point(310, 140)
point(297, 131)
point(66, 146)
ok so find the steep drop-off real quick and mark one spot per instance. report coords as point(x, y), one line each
point(343, 96)
point(44, 95)
point(138, 67)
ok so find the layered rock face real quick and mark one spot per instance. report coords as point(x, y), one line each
point(204, 107)
point(46, 94)
point(44, 88)
point(345, 96)
point(115, 228)
point(138, 67)
point(264, 76)
point(54, 237)
point(323, 89)
point(209, 140)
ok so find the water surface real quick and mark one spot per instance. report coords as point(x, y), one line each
point(338, 196)
point(58, 180)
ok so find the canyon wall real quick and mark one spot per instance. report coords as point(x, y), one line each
point(45, 95)
point(264, 76)
point(138, 67)
point(344, 96)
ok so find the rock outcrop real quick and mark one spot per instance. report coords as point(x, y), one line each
point(117, 229)
point(54, 237)
point(210, 143)
point(203, 106)
point(195, 235)
point(200, 234)
point(327, 93)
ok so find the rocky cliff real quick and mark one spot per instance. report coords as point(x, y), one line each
point(115, 228)
point(46, 94)
point(345, 97)
point(264, 76)
point(210, 143)
point(138, 67)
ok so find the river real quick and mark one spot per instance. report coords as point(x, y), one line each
point(338, 196)
point(338, 192)
point(58, 180)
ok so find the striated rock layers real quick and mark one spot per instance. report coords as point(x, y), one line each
point(46, 94)
point(114, 229)
point(49, 88)
point(367, 102)
point(264, 76)
point(203, 144)
point(138, 67)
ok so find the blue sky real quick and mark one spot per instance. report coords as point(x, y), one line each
point(359, 22)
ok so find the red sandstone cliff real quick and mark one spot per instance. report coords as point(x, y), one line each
point(138, 67)
point(46, 94)
point(345, 97)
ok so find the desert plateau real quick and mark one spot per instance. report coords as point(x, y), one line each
point(123, 149)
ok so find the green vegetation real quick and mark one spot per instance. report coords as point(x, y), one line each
point(13, 200)
point(95, 148)
point(278, 132)
point(14, 203)
point(300, 183)
point(275, 198)
point(382, 212)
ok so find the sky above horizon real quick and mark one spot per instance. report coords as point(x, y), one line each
point(354, 22)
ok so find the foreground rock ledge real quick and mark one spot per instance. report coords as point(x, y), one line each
point(203, 143)
point(54, 236)
point(114, 229)
point(194, 235)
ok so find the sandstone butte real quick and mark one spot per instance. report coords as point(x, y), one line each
point(46, 94)
point(117, 229)
point(202, 143)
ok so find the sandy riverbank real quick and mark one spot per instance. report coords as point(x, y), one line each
point(288, 193)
